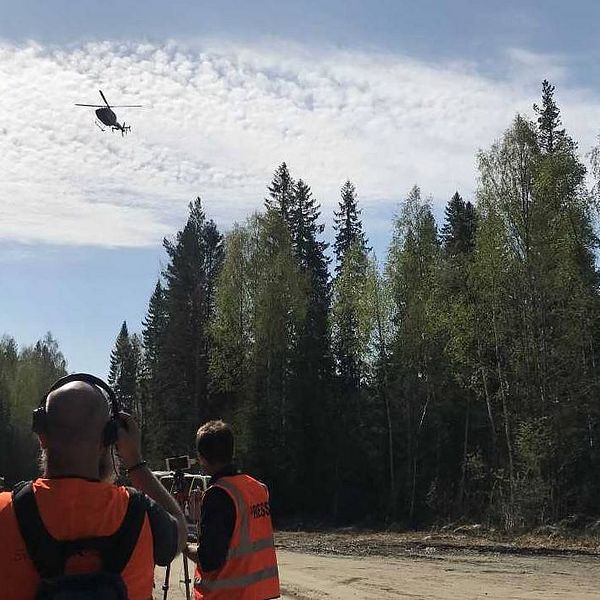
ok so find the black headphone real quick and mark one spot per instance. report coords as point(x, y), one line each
point(39, 422)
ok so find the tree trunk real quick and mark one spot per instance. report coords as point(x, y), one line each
point(388, 413)
point(461, 491)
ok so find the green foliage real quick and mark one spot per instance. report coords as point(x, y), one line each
point(25, 376)
point(459, 380)
point(124, 372)
point(549, 119)
point(458, 232)
point(282, 191)
point(347, 224)
point(178, 327)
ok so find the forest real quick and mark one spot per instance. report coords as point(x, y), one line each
point(455, 378)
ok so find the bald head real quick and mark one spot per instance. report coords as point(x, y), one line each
point(77, 413)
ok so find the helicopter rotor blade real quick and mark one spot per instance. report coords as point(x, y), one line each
point(92, 105)
point(127, 106)
point(103, 98)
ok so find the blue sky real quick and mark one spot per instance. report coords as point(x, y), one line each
point(388, 93)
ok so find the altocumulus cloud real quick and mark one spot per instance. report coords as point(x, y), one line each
point(218, 119)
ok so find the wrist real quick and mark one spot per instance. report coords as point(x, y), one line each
point(130, 461)
point(143, 464)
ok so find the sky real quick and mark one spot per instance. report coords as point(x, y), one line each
point(387, 93)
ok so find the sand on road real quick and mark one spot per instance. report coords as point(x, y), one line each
point(431, 577)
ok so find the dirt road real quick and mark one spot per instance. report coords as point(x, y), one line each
point(433, 576)
point(308, 577)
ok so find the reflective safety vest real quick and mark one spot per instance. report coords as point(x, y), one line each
point(250, 569)
point(70, 509)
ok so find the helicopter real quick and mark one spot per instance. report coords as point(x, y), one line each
point(107, 116)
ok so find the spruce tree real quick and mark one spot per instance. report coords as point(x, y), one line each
point(549, 121)
point(349, 349)
point(124, 367)
point(281, 192)
point(312, 361)
point(195, 259)
point(348, 225)
point(470, 227)
point(153, 328)
point(458, 232)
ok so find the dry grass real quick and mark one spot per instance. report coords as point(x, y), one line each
point(354, 542)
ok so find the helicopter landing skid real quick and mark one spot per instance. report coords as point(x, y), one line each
point(123, 130)
point(99, 126)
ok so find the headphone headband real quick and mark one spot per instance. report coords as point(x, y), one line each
point(39, 422)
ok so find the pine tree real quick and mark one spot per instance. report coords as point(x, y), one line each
point(549, 120)
point(348, 225)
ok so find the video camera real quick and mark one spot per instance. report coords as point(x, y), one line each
point(179, 463)
point(179, 481)
point(176, 467)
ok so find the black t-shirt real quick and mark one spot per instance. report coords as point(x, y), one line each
point(217, 522)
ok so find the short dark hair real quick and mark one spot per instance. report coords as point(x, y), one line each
point(214, 442)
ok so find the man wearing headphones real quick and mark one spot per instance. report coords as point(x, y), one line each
point(73, 522)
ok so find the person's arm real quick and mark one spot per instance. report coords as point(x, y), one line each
point(129, 447)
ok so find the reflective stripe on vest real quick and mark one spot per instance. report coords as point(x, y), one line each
point(235, 582)
point(245, 547)
point(251, 548)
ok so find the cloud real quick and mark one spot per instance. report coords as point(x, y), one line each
point(217, 120)
point(527, 65)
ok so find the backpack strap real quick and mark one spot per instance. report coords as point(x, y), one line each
point(44, 551)
point(49, 555)
point(122, 543)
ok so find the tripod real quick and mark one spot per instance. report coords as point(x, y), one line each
point(186, 579)
point(179, 493)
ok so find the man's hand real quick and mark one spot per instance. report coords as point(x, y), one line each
point(129, 441)
point(191, 552)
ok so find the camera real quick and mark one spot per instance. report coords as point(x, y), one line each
point(178, 463)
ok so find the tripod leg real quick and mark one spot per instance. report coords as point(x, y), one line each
point(165, 586)
point(186, 575)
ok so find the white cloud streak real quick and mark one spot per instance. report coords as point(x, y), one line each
point(218, 119)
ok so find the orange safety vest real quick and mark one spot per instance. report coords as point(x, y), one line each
point(250, 569)
point(72, 509)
